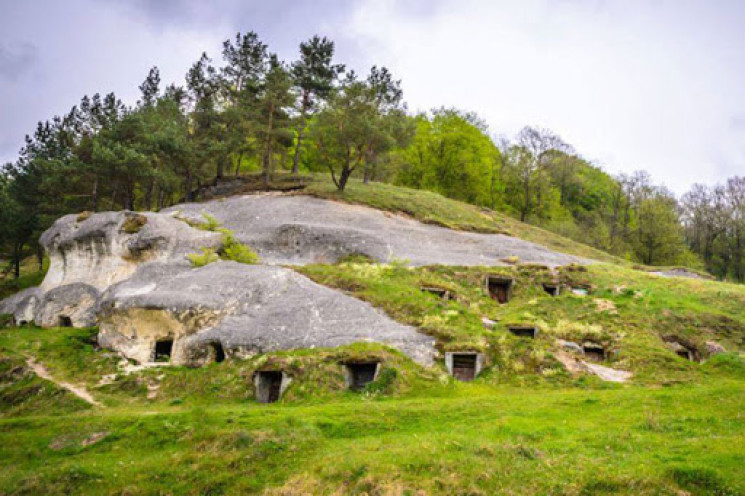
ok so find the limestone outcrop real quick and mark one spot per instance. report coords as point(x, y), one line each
point(105, 248)
point(294, 229)
point(128, 273)
point(237, 310)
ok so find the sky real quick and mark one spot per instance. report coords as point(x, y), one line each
point(631, 84)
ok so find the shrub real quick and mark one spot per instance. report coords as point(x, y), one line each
point(240, 253)
point(133, 223)
point(83, 216)
point(207, 256)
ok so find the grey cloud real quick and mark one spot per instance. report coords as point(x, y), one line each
point(17, 60)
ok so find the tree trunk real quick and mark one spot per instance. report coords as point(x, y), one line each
point(268, 146)
point(296, 158)
point(94, 195)
point(345, 173)
point(149, 196)
point(238, 164)
point(17, 248)
point(188, 186)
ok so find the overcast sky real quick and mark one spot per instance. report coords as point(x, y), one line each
point(632, 84)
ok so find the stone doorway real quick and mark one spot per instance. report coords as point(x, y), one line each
point(361, 374)
point(593, 352)
point(552, 289)
point(524, 331)
point(163, 350)
point(499, 288)
point(65, 321)
point(269, 386)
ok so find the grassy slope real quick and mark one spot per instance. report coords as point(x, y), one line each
point(679, 427)
point(462, 439)
point(435, 209)
point(627, 310)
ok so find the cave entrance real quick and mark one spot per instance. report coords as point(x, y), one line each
point(551, 288)
point(65, 321)
point(268, 386)
point(594, 352)
point(218, 352)
point(464, 366)
point(360, 375)
point(439, 292)
point(683, 351)
point(524, 331)
point(163, 349)
point(499, 288)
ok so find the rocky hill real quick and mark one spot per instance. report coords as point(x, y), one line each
point(405, 357)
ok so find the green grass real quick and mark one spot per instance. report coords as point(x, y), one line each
point(631, 313)
point(30, 277)
point(433, 208)
point(460, 439)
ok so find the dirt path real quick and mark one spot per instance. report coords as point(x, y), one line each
point(78, 391)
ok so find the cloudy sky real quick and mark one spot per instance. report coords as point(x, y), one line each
point(632, 84)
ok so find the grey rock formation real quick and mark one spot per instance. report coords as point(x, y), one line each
point(99, 251)
point(714, 348)
point(22, 305)
point(128, 272)
point(71, 305)
point(244, 309)
point(301, 229)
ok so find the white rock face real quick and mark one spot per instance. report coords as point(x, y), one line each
point(302, 230)
point(99, 251)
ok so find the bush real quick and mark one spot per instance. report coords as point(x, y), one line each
point(207, 256)
point(240, 253)
point(133, 223)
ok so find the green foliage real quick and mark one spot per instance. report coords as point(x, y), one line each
point(452, 154)
point(134, 223)
point(230, 249)
point(206, 257)
point(238, 252)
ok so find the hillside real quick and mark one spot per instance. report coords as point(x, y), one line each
point(632, 383)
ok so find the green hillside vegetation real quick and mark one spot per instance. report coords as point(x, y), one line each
point(408, 433)
point(525, 425)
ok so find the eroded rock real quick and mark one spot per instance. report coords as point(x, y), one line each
point(243, 308)
point(301, 230)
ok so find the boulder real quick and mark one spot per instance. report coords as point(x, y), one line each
point(107, 247)
point(245, 309)
point(570, 346)
point(71, 305)
point(714, 348)
point(22, 305)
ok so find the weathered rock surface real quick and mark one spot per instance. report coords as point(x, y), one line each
point(22, 305)
point(99, 251)
point(301, 229)
point(71, 305)
point(245, 309)
point(128, 272)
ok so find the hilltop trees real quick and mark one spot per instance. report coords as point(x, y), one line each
point(249, 111)
point(452, 154)
point(362, 120)
point(314, 75)
point(714, 223)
